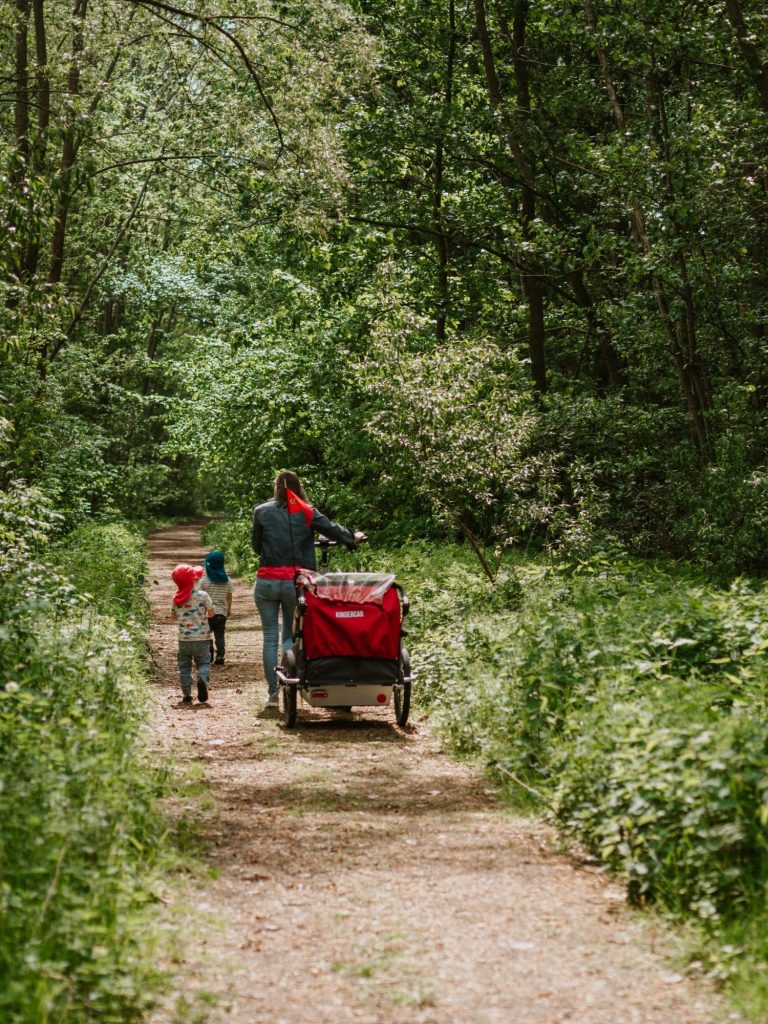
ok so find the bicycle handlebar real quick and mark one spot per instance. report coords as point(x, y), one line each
point(326, 542)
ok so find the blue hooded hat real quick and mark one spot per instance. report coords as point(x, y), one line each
point(214, 567)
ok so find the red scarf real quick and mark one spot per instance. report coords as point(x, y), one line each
point(295, 504)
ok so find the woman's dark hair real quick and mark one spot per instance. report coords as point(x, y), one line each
point(287, 478)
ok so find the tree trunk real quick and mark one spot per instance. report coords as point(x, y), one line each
point(441, 239)
point(758, 68)
point(692, 373)
point(43, 104)
point(611, 363)
point(531, 281)
point(20, 165)
point(21, 91)
point(69, 148)
point(688, 373)
point(533, 285)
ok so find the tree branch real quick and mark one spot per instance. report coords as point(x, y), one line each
point(76, 318)
point(154, 6)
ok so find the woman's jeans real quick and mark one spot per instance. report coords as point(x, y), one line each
point(272, 596)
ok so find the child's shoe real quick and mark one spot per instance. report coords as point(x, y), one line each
point(186, 699)
point(202, 691)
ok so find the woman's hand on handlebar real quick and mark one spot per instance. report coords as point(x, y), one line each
point(326, 542)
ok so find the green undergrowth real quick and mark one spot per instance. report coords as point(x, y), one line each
point(81, 841)
point(631, 697)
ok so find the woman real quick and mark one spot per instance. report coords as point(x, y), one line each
point(284, 542)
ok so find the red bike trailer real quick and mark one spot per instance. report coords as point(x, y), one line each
point(347, 645)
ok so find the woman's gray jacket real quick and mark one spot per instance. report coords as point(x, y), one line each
point(282, 539)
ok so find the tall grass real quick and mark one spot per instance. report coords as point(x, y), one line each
point(79, 835)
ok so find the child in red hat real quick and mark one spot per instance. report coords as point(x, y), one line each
point(192, 608)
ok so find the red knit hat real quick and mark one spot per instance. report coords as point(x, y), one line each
point(184, 577)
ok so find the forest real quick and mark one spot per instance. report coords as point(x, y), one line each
point(491, 277)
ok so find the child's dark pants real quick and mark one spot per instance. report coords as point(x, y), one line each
point(218, 624)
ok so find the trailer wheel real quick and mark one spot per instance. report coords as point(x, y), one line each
point(402, 694)
point(288, 699)
point(288, 702)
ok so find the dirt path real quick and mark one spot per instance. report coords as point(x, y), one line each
point(356, 874)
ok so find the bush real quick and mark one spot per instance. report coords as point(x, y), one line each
point(105, 565)
point(673, 798)
point(80, 835)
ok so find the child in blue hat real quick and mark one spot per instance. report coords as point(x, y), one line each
point(219, 587)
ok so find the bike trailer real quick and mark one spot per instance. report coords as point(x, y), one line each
point(347, 645)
